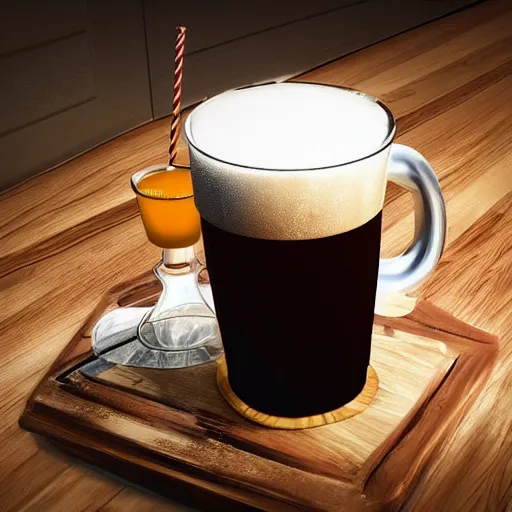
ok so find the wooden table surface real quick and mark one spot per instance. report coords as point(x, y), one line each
point(70, 234)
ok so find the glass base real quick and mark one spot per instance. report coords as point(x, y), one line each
point(184, 327)
point(115, 339)
point(181, 330)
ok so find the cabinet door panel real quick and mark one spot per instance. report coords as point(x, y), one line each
point(73, 74)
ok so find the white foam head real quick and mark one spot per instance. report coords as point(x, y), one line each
point(289, 161)
point(290, 126)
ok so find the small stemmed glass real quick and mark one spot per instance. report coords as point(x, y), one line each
point(181, 329)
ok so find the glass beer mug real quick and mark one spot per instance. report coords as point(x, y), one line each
point(289, 180)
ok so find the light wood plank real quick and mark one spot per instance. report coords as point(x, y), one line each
point(131, 500)
point(83, 491)
point(475, 281)
point(470, 147)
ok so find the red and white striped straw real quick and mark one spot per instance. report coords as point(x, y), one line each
point(176, 101)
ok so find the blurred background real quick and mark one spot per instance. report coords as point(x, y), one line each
point(76, 73)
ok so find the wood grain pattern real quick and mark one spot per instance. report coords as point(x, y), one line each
point(458, 115)
point(176, 425)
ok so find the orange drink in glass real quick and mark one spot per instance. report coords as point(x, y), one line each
point(166, 204)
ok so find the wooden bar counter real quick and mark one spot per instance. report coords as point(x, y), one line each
point(68, 235)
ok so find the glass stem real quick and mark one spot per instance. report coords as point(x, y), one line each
point(178, 258)
point(163, 328)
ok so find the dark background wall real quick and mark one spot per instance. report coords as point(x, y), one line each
point(75, 73)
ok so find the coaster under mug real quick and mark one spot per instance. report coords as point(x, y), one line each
point(355, 406)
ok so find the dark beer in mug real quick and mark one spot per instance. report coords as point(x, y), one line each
point(305, 309)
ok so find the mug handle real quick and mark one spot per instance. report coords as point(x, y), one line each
point(399, 275)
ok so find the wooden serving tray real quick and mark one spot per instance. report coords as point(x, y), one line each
point(171, 430)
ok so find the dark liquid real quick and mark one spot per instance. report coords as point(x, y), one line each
point(295, 316)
